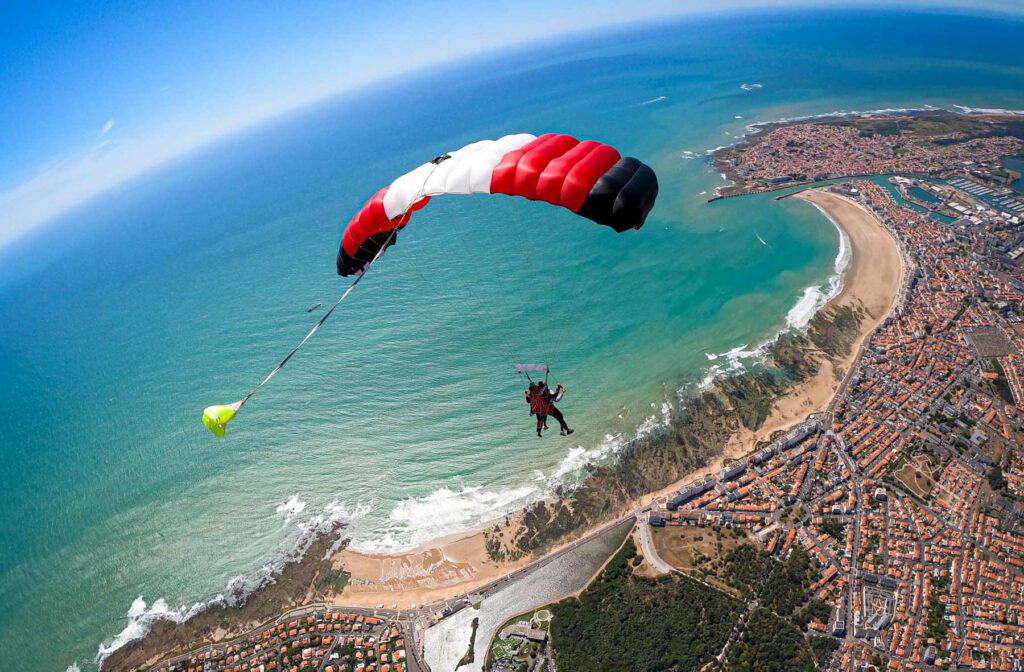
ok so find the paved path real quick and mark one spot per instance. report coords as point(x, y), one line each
point(447, 641)
point(643, 535)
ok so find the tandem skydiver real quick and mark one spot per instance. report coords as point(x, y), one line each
point(541, 400)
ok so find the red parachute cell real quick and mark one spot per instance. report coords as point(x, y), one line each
point(588, 178)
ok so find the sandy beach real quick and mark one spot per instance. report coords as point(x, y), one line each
point(458, 564)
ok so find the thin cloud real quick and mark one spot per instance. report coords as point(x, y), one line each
point(106, 127)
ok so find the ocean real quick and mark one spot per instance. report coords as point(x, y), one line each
point(403, 416)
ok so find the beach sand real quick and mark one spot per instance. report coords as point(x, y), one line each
point(871, 281)
point(458, 564)
point(449, 566)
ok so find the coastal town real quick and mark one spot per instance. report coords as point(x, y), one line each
point(316, 639)
point(934, 143)
point(902, 492)
point(906, 490)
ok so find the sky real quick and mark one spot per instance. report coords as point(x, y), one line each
point(93, 93)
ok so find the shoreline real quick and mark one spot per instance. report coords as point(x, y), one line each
point(458, 563)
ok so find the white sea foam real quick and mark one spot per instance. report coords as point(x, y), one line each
point(572, 467)
point(73, 667)
point(654, 100)
point(417, 520)
point(815, 297)
point(988, 110)
point(291, 507)
point(810, 302)
point(751, 87)
point(734, 361)
point(140, 617)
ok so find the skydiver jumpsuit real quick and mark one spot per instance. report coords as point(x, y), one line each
point(546, 407)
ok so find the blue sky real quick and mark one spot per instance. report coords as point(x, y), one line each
point(92, 93)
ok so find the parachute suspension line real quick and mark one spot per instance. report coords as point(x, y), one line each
point(320, 322)
point(216, 418)
point(348, 290)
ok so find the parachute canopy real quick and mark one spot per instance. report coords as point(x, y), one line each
point(588, 178)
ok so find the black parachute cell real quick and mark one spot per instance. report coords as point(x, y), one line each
point(367, 252)
point(622, 197)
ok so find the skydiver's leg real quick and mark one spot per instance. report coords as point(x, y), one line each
point(540, 423)
point(557, 415)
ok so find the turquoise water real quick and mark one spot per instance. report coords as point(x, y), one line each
point(1016, 163)
point(922, 195)
point(182, 288)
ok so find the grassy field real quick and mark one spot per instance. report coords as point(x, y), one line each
point(698, 551)
point(918, 473)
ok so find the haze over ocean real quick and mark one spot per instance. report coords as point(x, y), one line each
point(180, 289)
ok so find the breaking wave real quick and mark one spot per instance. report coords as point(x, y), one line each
point(141, 616)
point(292, 507)
point(417, 520)
point(141, 619)
point(987, 110)
point(815, 297)
point(733, 362)
point(654, 100)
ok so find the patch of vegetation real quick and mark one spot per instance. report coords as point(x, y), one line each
point(752, 396)
point(781, 586)
point(823, 648)
point(770, 644)
point(1000, 384)
point(468, 657)
point(996, 480)
point(935, 624)
point(816, 610)
point(337, 579)
point(834, 330)
point(629, 623)
point(834, 529)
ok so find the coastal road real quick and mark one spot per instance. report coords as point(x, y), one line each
point(643, 536)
